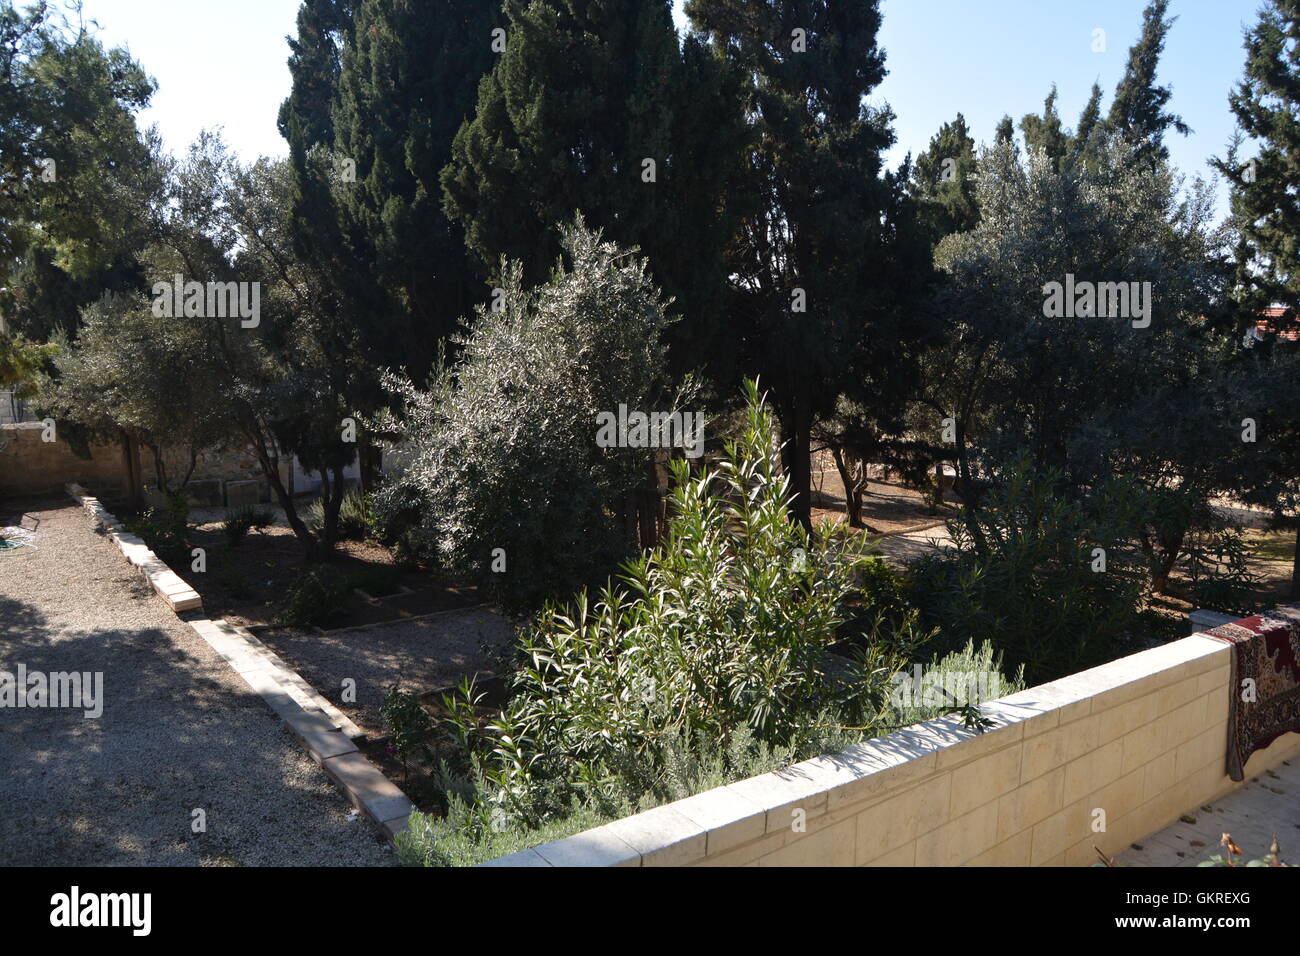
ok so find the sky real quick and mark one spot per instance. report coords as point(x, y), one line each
point(222, 63)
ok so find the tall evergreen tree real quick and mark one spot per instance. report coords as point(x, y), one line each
point(1265, 200)
point(1082, 144)
point(942, 184)
point(1266, 214)
point(1006, 131)
point(1138, 109)
point(820, 266)
point(1044, 132)
point(406, 82)
point(314, 64)
point(596, 106)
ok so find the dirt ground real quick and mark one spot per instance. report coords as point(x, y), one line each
point(247, 583)
point(888, 507)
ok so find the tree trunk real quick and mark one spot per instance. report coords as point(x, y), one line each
point(968, 495)
point(853, 477)
point(270, 468)
point(796, 455)
point(1171, 548)
point(1295, 567)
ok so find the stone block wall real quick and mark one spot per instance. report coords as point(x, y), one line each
point(31, 466)
point(1094, 761)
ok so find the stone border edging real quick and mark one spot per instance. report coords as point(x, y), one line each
point(166, 582)
point(329, 735)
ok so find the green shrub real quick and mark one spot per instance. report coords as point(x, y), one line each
point(966, 676)
point(165, 528)
point(356, 521)
point(317, 600)
point(409, 724)
point(239, 521)
point(1021, 577)
point(1220, 579)
point(709, 659)
point(502, 446)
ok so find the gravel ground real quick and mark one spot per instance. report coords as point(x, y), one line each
point(180, 731)
point(421, 655)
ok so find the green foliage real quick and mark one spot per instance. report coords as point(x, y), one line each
point(409, 724)
point(72, 225)
point(942, 181)
point(356, 518)
point(710, 661)
point(239, 521)
point(21, 363)
point(1215, 564)
point(1138, 110)
point(564, 125)
point(318, 598)
point(1032, 592)
point(847, 235)
point(406, 79)
point(954, 675)
point(166, 527)
point(502, 446)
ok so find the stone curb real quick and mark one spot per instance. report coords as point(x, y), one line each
point(166, 582)
point(327, 732)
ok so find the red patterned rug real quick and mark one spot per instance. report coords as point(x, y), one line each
point(1265, 652)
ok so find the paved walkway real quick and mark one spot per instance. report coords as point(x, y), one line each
point(1268, 804)
point(901, 548)
point(180, 731)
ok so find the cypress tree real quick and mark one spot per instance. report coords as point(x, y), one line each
point(1266, 214)
point(406, 83)
point(1045, 132)
point(822, 275)
point(1265, 202)
point(1138, 109)
point(1081, 144)
point(942, 183)
point(597, 107)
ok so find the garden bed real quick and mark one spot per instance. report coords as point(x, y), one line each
point(248, 582)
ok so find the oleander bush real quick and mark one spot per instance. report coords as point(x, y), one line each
point(708, 660)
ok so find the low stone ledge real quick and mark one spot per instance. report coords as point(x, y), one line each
point(1141, 738)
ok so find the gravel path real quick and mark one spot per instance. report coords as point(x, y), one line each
point(179, 732)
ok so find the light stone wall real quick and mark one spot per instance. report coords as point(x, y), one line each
point(30, 466)
point(1128, 746)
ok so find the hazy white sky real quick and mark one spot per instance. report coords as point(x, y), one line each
point(222, 63)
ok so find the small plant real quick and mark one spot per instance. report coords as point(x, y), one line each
point(409, 724)
point(239, 521)
point(236, 584)
point(1232, 851)
point(167, 527)
point(356, 520)
point(319, 597)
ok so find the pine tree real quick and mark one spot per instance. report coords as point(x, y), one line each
point(1138, 109)
point(942, 183)
point(822, 273)
point(597, 107)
